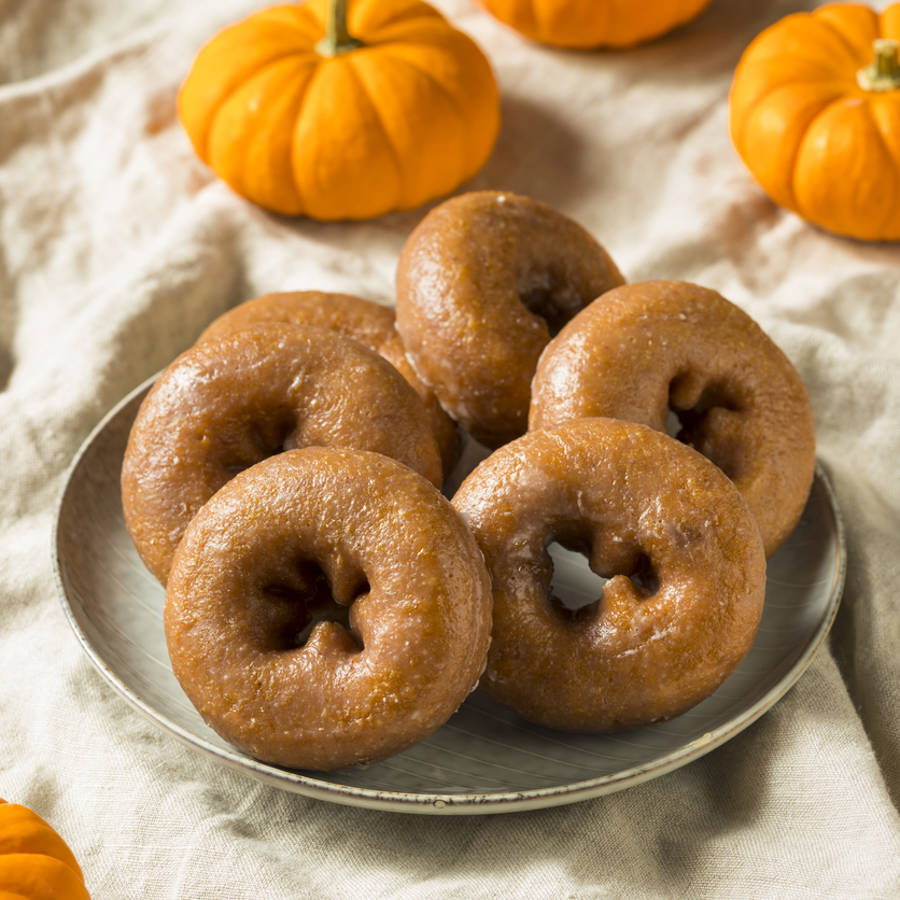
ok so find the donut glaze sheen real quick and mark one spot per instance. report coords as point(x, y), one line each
point(228, 403)
point(644, 348)
point(482, 283)
point(327, 607)
point(639, 504)
point(362, 320)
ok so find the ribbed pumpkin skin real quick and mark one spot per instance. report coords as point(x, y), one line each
point(594, 23)
point(817, 142)
point(389, 126)
point(35, 862)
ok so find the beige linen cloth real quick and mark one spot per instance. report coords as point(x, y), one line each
point(117, 247)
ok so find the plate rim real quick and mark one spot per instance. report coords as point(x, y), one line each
point(437, 802)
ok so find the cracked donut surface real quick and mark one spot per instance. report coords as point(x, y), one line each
point(648, 348)
point(326, 608)
point(483, 282)
point(677, 542)
point(361, 320)
point(229, 403)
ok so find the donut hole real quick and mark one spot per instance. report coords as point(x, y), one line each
point(547, 295)
point(644, 576)
point(261, 437)
point(693, 409)
point(576, 589)
point(574, 586)
point(290, 607)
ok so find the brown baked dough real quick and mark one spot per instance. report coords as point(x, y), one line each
point(327, 607)
point(482, 283)
point(369, 323)
point(646, 347)
point(638, 503)
point(228, 403)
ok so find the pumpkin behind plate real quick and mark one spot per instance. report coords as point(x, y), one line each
point(392, 108)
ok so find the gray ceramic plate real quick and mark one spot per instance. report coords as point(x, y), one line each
point(485, 759)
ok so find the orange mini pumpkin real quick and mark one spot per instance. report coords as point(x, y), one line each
point(35, 862)
point(594, 23)
point(337, 113)
point(815, 115)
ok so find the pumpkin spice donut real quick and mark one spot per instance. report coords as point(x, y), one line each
point(228, 403)
point(483, 282)
point(644, 348)
point(327, 607)
point(369, 323)
point(639, 504)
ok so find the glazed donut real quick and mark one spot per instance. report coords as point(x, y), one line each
point(645, 348)
point(327, 607)
point(640, 504)
point(483, 282)
point(226, 404)
point(369, 323)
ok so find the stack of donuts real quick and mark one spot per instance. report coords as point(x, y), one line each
point(326, 605)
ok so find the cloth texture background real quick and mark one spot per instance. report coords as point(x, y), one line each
point(117, 247)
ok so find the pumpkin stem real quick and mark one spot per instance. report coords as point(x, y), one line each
point(884, 73)
point(337, 38)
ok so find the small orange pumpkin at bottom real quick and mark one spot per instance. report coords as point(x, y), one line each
point(35, 862)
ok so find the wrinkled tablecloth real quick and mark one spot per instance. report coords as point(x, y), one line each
point(117, 247)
